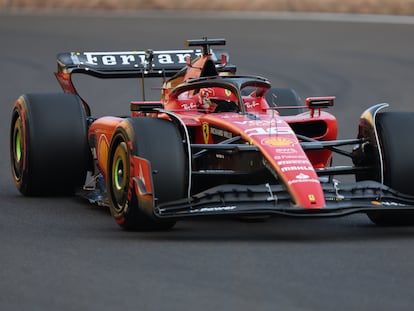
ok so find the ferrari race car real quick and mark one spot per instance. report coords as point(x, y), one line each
point(215, 144)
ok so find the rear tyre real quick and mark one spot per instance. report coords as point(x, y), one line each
point(48, 144)
point(398, 161)
point(159, 142)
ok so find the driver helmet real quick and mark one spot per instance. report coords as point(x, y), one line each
point(209, 98)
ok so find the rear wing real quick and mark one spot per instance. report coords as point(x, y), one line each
point(132, 64)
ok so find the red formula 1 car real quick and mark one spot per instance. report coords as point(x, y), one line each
point(214, 144)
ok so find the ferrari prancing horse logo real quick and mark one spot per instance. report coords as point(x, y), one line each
point(206, 133)
point(312, 198)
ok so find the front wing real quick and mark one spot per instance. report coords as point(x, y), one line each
point(248, 200)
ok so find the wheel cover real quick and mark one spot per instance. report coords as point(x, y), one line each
point(119, 174)
point(120, 177)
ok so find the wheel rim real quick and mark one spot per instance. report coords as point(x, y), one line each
point(120, 177)
point(119, 174)
point(17, 148)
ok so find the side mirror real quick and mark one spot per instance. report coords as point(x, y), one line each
point(317, 103)
point(320, 102)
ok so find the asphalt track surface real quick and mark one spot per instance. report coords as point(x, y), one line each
point(64, 254)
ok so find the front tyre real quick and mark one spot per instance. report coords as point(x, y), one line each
point(159, 142)
point(398, 164)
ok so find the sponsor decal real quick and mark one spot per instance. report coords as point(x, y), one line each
point(206, 133)
point(290, 162)
point(220, 132)
point(231, 116)
point(271, 130)
point(287, 156)
point(286, 150)
point(386, 203)
point(298, 181)
point(189, 106)
point(277, 142)
point(302, 176)
point(251, 105)
point(259, 122)
point(227, 92)
point(297, 168)
point(393, 204)
point(213, 209)
point(134, 58)
point(334, 199)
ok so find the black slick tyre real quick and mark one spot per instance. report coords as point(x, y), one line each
point(48, 144)
point(398, 162)
point(159, 142)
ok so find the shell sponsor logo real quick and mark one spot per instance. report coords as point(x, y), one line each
point(278, 142)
